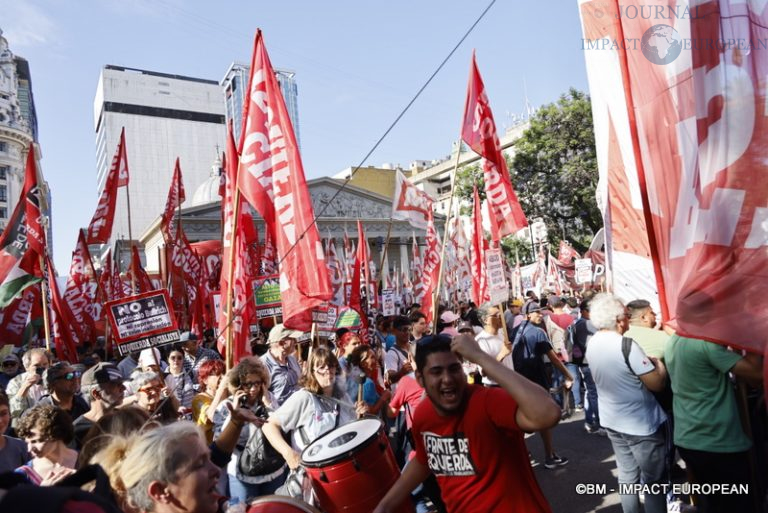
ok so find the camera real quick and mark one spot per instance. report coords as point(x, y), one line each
point(262, 413)
point(39, 371)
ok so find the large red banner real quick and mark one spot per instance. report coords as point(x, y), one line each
point(271, 177)
point(100, 228)
point(681, 129)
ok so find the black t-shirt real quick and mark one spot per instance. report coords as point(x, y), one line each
point(528, 353)
point(81, 426)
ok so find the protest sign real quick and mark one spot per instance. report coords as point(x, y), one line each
point(497, 282)
point(266, 292)
point(142, 321)
point(388, 302)
point(583, 270)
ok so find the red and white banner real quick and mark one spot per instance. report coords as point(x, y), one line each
point(361, 272)
point(100, 228)
point(682, 144)
point(228, 209)
point(479, 132)
point(335, 273)
point(271, 177)
point(417, 271)
point(477, 255)
point(566, 254)
point(81, 290)
point(17, 315)
point(62, 321)
point(431, 268)
point(176, 197)
point(410, 203)
point(143, 283)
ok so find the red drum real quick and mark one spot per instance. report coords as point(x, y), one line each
point(280, 504)
point(352, 468)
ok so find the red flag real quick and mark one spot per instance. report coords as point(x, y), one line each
point(117, 287)
point(477, 254)
point(17, 315)
point(410, 204)
point(271, 177)
point(416, 271)
point(228, 210)
point(176, 197)
point(360, 273)
point(479, 132)
point(336, 274)
point(100, 228)
point(80, 291)
point(566, 254)
point(105, 278)
point(431, 268)
point(23, 241)
point(143, 282)
point(61, 320)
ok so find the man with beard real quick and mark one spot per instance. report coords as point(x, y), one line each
point(103, 385)
point(62, 381)
point(471, 437)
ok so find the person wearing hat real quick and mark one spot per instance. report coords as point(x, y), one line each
point(195, 354)
point(11, 369)
point(26, 389)
point(512, 316)
point(448, 323)
point(284, 369)
point(491, 339)
point(61, 379)
point(103, 385)
point(529, 346)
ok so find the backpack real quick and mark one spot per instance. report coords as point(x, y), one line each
point(259, 458)
point(577, 349)
point(664, 398)
point(522, 356)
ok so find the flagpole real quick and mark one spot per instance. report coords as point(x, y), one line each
point(384, 249)
point(230, 286)
point(130, 237)
point(44, 296)
point(436, 292)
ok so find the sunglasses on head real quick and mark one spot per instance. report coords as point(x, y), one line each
point(69, 376)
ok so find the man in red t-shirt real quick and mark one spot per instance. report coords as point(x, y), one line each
point(471, 437)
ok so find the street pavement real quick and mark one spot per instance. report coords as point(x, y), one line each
point(591, 461)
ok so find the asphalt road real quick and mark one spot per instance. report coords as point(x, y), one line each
point(591, 461)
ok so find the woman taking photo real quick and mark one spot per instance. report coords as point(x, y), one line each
point(209, 375)
point(248, 385)
point(320, 406)
point(47, 430)
point(164, 470)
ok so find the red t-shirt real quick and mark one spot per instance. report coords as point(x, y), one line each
point(479, 457)
point(562, 319)
point(408, 391)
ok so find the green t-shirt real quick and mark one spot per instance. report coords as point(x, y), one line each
point(704, 404)
point(652, 341)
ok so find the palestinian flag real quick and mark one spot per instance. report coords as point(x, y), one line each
point(22, 241)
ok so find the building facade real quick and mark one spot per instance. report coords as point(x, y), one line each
point(235, 84)
point(165, 116)
point(18, 126)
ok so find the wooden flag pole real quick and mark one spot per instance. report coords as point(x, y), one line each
point(231, 274)
point(130, 238)
point(44, 296)
point(436, 298)
point(384, 250)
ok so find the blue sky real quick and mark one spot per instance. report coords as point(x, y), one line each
point(357, 65)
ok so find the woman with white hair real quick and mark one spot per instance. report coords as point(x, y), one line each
point(164, 470)
point(624, 376)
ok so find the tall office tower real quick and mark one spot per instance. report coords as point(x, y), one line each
point(18, 128)
point(235, 83)
point(165, 116)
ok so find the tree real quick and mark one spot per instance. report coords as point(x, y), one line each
point(554, 170)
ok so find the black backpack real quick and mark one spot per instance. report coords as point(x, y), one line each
point(664, 398)
point(259, 458)
point(522, 356)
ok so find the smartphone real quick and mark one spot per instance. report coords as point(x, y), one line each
point(243, 402)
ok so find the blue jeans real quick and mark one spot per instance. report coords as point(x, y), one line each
point(641, 457)
point(591, 413)
point(245, 491)
point(576, 388)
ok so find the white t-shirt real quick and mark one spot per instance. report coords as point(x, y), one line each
point(625, 404)
point(492, 344)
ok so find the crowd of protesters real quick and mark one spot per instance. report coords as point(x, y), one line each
point(169, 429)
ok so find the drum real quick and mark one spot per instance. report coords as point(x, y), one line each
point(352, 468)
point(280, 504)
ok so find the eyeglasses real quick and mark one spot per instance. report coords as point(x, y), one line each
point(251, 384)
point(324, 369)
point(69, 376)
point(151, 390)
point(10, 364)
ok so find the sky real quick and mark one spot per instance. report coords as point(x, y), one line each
point(358, 64)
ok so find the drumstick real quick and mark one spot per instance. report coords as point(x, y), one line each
point(360, 378)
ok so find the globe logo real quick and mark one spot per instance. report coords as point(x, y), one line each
point(661, 44)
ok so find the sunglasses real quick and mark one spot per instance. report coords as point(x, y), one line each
point(10, 364)
point(69, 376)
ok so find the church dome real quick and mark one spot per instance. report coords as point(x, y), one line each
point(208, 191)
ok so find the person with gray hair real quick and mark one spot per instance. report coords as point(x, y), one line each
point(631, 416)
point(151, 395)
point(26, 389)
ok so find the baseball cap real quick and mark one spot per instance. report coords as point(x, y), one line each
point(101, 373)
point(11, 358)
point(530, 307)
point(516, 302)
point(187, 336)
point(449, 317)
point(465, 326)
point(145, 357)
point(280, 332)
point(554, 300)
